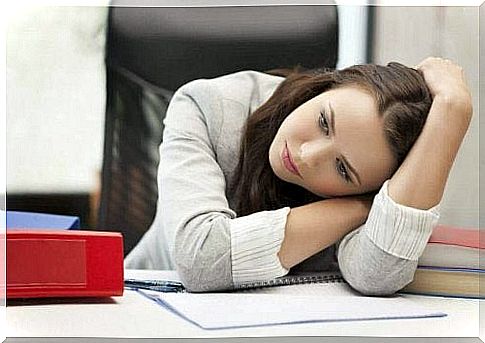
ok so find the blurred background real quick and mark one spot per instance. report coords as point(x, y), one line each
point(57, 96)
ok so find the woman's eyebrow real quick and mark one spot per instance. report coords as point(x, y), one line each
point(352, 170)
point(332, 125)
point(332, 121)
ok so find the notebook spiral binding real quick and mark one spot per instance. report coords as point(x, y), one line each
point(293, 280)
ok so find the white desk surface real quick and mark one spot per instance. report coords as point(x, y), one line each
point(134, 316)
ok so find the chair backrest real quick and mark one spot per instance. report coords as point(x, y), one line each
point(151, 51)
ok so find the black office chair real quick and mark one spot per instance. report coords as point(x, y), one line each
point(151, 51)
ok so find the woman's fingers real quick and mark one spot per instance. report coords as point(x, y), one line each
point(446, 80)
point(432, 60)
point(441, 74)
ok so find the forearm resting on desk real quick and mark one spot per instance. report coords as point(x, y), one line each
point(314, 227)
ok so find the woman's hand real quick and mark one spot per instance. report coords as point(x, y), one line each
point(446, 82)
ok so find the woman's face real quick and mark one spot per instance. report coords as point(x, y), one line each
point(333, 145)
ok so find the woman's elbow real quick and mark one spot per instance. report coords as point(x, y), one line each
point(190, 275)
point(382, 282)
point(374, 286)
point(203, 264)
point(202, 274)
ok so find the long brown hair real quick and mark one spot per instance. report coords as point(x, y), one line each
point(403, 100)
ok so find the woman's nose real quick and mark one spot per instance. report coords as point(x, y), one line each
point(316, 152)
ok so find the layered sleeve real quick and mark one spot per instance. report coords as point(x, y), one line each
point(213, 249)
point(381, 256)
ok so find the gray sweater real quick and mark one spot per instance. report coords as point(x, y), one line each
point(196, 232)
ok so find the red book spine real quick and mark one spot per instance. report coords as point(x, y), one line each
point(465, 237)
point(64, 263)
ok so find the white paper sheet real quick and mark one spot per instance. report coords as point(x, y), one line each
point(233, 310)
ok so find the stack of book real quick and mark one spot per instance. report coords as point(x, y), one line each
point(451, 264)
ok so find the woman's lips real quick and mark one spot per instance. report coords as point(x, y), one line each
point(288, 161)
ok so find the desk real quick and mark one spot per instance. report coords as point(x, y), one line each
point(132, 315)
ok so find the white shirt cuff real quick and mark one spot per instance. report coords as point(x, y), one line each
point(400, 230)
point(255, 242)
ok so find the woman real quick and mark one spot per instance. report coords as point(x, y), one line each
point(320, 170)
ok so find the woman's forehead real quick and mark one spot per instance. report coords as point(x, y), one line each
point(350, 96)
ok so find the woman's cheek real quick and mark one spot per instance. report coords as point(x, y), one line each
point(317, 187)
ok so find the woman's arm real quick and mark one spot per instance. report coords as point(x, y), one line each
point(381, 257)
point(307, 233)
point(420, 180)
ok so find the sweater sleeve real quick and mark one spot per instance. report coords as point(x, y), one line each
point(381, 256)
point(211, 248)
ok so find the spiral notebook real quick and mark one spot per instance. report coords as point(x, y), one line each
point(321, 283)
point(170, 283)
point(295, 279)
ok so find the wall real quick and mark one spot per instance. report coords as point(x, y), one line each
point(55, 98)
point(410, 34)
point(482, 122)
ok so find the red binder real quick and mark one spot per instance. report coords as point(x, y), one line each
point(64, 263)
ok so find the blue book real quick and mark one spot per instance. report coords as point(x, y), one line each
point(31, 220)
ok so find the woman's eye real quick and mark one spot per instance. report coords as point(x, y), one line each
point(324, 123)
point(342, 170)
